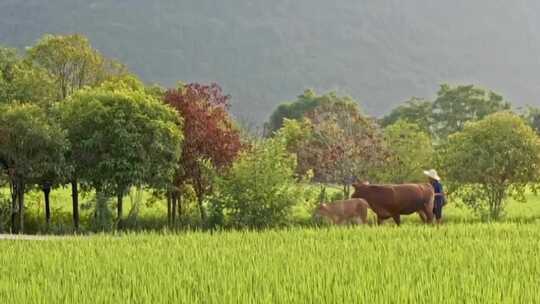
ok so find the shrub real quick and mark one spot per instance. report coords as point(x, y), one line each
point(491, 160)
point(411, 151)
point(260, 188)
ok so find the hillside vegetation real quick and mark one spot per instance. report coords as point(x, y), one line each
point(266, 52)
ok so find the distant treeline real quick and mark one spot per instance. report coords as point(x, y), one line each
point(69, 116)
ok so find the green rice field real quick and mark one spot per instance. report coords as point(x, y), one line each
point(462, 261)
point(465, 263)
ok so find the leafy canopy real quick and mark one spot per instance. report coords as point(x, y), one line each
point(335, 141)
point(416, 110)
point(456, 105)
point(532, 116)
point(72, 62)
point(22, 81)
point(410, 152)
point(491, 160)
point(453, 107)
point(305, 103)
point(260, 188)
point(209, 132)
point(121, 138)
point(31, 145)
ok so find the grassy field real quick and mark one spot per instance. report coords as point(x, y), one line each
point(152, 213)
point(472, 263)
point(463, 261)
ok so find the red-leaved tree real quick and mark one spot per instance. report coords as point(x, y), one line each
point(209, 134)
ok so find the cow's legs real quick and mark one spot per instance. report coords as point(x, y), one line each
point(397, 219)
point(341, 221)
point(358, 220)
point(423, 216)
point(428, 211)
point(379, 220)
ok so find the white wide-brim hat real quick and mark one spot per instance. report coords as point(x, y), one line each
point(433, 174)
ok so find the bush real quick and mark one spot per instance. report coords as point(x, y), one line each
point(259, 190)
point(491, 160)
point(5, 211)
point(411, 152)
point(103, 218)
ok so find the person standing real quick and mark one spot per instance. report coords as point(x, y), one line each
point(440, 200)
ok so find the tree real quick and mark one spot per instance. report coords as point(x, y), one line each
point(456, 105)
point(336, 142)
point(416, 110)
point(31, 146)
point(295, 134)
point(20, 80)
point(294, 110)
point(346, 143)
point(120, 138)
point(209, 135)
point(73, 63)
point(532, 116)
point(490, 161)
point(260, 188)
point(410, 150)
point(305, 103)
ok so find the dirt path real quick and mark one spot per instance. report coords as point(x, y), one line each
point(24, 237)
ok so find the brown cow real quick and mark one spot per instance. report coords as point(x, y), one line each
point(341, 212)
point(391, 201)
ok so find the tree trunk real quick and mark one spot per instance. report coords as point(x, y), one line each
point(75, 201)
point(14, 194)
point(169, 208)
point(498, 200)
point(120, 210)
point(21, 207)
point(179, 203)
point(46, 194)
point(200, 199)
point(173, 209)
point(346, 190)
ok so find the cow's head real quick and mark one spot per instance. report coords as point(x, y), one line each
point(357, 185)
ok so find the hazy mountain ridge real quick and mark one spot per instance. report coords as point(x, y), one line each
point(266, 52)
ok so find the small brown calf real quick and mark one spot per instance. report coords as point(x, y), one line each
point(342, 212)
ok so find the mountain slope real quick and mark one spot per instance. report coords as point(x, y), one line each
point(266, 52)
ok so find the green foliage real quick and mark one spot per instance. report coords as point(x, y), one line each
point(326, 196)
point(298, 109)
point(265, 51)
point(491, 160)
point(411, 152)
point(72, 62)
point(335, 141)
point(5, 212)
point(294, 110)
point(31, 145)
point(8, 58)
point(416, 111)
point(295, 133)
point(260, 188)
point(532, 116)
point(456, 105)
point(121, 138)
point(102, 221)
point(22, 81)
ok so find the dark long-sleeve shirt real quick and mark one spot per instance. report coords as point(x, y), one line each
point(439, 194)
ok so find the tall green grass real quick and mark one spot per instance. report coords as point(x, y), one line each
point(461, 263)
point(152, 212)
